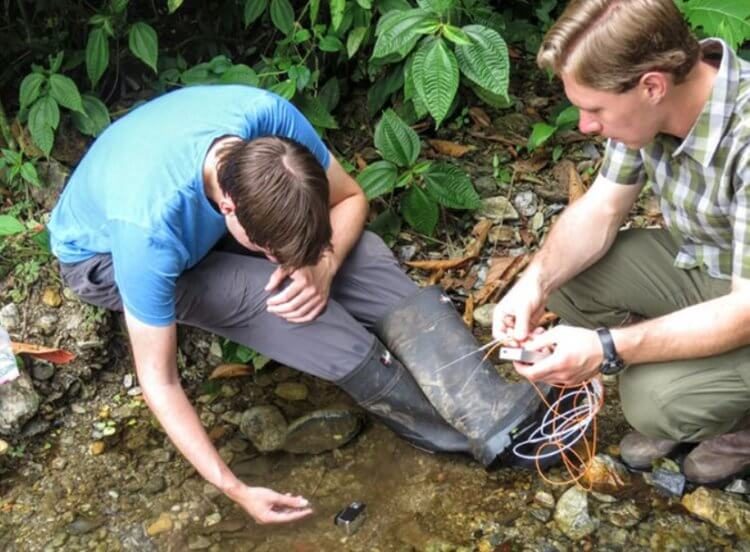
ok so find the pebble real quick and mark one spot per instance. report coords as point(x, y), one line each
point(41, 370)
point(82, 525)
point(725, 510)
point(161, 525)
point(572, 515)
point(483, 315)
point(10, 319)
point(738, 486)
point(544, 499)
point(526, 203)
point(4, 447)
point(59, 463)
point(128, 380)
point(199, 543)
point(265, 426)
point(134, 391)
point(667, 481)
point(497, 209)
point(51, 297)
point(292, 391)
point(96, 448)
point(47, 324)
point(212, 519)
point(155, 485)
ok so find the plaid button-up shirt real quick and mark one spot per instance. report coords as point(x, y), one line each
point(703, 181)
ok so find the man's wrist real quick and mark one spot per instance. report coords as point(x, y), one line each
point(231, 486)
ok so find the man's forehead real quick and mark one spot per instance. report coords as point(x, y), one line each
point(585, 97)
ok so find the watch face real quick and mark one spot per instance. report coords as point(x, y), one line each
point(612, 366)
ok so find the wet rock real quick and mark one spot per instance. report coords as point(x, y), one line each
point(83, 525)
point(322, 430)
point(10, 318)
point(497, 209)
point(607, 475)
point(155, 485)
point(542, 514)
point(163, 524)
point(128, 380)
point(34, 427)
point(572, 515)
point(526, 203)
point(96, 448)
point(59, 463)
point(516, 123)
point(259, 466)
point(46, 324)
point(724, 510)
point(4, 446)
point(265, 426)
point(19, 402)
point(199, 543)
point(503, 234)
point(41, 370)
point(212, 519)
point(406, 253)
point(486, 186)
point(624, 514)
point(483, 315)
point(666, 481)
point(738, 486)
point(227, 526)
point(51, 297)
point(544, 499)
point(283, 373)
point(292, 391)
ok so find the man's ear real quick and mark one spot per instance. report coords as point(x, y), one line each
point(654, 86)
point(226, 205)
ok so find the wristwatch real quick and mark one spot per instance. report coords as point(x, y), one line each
point(612, 363)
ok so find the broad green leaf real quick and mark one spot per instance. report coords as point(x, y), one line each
point(253, 10)
point(495, 100)
point(440, 7)
point(28, 173)
point(301, 36)
point(300, 74)
point(435, 74)
point(378, 178)
point(410, 91)
point(329, 94)
point(118, 6)
point(42, 240)
point(173, 5)
point(331, 43)
point(282, 15)
point(31, 87)
point(728, 19)
point(540, 133)
point(387, 225)
point(398, 32)
point(65, 92)
point(420, 211)
point(198, 74)
point(314, 10)
point(44, 138)
point(568, 118)
point(286, 89)
point(96, 117)
point(383, 87)
point(97, 55)
point(239, 74)
point(44, 113)
point(56, 62)
point(456, 35)
point(354, 40)
point(144, 43)
point(485, 62)
point(451, 187)
point(315, 112)
point(337, 13)
point(365, 4)
point(387, 6)
point(396, 141)
point(10, 225)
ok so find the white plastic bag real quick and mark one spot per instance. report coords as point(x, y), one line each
point(8, 366)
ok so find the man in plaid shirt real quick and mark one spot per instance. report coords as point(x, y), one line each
point(669, 310)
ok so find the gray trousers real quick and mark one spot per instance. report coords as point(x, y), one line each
point(685, 400)
point(224, 294)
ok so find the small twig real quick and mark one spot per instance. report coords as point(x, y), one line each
point(5, 129)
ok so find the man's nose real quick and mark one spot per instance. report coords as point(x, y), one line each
point(588, 125)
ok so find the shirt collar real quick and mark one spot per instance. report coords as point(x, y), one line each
point(704, 138)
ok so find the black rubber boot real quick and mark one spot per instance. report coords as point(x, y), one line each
point(427, 334)
point(382, 386)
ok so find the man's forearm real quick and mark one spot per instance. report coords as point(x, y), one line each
point(347, 221)
point(702, 330)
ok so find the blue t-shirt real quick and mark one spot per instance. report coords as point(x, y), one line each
point(138, 192)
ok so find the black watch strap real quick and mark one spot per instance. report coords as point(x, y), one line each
point(612, 363)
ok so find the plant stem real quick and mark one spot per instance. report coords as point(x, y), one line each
point(5, 129)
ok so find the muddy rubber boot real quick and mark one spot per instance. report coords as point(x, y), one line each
point(382, 386)
point(718, 460)
point(639, 451)
point(428, 335)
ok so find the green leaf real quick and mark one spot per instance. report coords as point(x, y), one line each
point(315, 112)
point(383, 87)
point(440, 7)
point(387, 225)
point(399, 31)
point(410, 91)
point(28, 173)
point(97, 55)
point(435, 74)
point(300, 74)
point(118, 6)
point(65, 92)
point(31, 87)
point(728, 19)
point(450, 187)
point(378, 178)
point(540, 133)
point(286, 89)
point(485, 62)
point(354, 40)
point(495, 100)
point(420, 211)
point(44, 113)
point(10, 225)
point(96, 117)
point(173, 5)
point(365, 4)
point(314, 9)
point(568, 118)
point(329, 94)
point(301, 36)
point(253, 10)
point(282, 15)
point(456, 35)
point(331, 43)
point(144, 43)
point(239, 74)
point(337, 13)
point(397, 142)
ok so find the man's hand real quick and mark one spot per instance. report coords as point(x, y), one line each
point(519, 311)
point(576, 356)
point(307, 295)
point(267, 506)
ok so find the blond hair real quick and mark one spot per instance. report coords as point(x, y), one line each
point(609, 44)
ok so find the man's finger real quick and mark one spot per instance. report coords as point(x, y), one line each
point(312, 315)
point(300, 314)
point(288, 293)
point(286, 515)
point(298, 302)
point(278, 276)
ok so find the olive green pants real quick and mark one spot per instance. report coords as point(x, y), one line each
point(685, 400)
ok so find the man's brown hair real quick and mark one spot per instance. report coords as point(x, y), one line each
point(609, 44)
point(280, 192)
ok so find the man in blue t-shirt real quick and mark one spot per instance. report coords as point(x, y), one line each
point(141, 228)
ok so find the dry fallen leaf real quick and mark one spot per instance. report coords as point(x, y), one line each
point(50, 354)
point(493, 288)
point(498, 266)
point(532, 165)
point(360, 161)
point(445, 147)
point(469, 312)
point(217, 432)
point(576, 188)
point(480, 232)
point(231, 371)
point(439, 264)
point(479, 117)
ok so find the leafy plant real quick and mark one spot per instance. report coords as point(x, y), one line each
point(18, 172)
point(567, 119)
point(436, 54)
point(235, 353)
point(727, 19)
point(428, 184)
